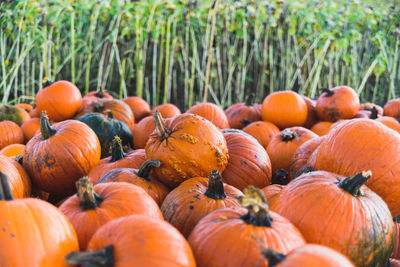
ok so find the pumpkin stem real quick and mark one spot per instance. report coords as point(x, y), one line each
point(352, 184)
point(147, 166)
point(100, 93)
point(249, 100)
point(288, 135)
point(257, 207)
point(245, 122)
point(215, 188)
point(46, 83)
point(162, 131)
point(117, 151)
point(374, 113)
point(5, 190)
point(45, 127)
point(397, 219)
point(328, 92)
point(273, 257)
point(280, 177)
point(88, 198)
point(19, 159)
point(109, 114)
point(98, 106)
point(303, 170)
point(101, 258)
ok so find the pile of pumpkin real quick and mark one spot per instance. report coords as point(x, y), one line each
point(97, 181)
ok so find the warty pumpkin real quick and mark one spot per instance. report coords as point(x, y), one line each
point(13, 113)
point(30, 128)
point(142, 131)
point(211, 112)
point(263, 131)
point(10, 133)
point(139, 107)
point(167, 110)
point(240, 115)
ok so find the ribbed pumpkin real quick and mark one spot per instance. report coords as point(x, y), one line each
point(232, 236)
point(142, 131)
point(95, 96)
point(24, 106)
point(60, 155)
point(139, 107)
point(34, 232)
point(284, 109)
point(188, 146)
point(10, 133)
point(61, 100)
point(211, 112)
point(136, 241)
point(13, 113)
point(337, 103)
point(167, 110)
point(321, 128)
point(30, 128)
point(396, 245)
point(240, 115)
point(271, 192)
point(248, 162)
point(140, 177)
point(389, 122)
point(18, 179)
point(118, 159)
point(195, 198)
point(263, 131)
point(320, 203)
point(392, 108)
point(302, 154)
point(370, 106)
point(94, 206)
point(363, 144)
point(13, 150)
point(312, 117)
point(284, 145)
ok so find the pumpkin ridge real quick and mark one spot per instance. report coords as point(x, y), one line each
point(88, 198)
point(215, 188)
point(101, 257)
point(353, 184)
point(45, 127)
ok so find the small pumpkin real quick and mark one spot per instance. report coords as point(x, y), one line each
point(10, 133)
point(18, 179)
point(34, 113)
point(95, 96)
point(195, 198)
point(142, 131)
point(166, 110)
point(389, 122)
point(312, 117)
point(211, 112)
point(321, 128)
point(24, 106)
point(240, 115)
point(392, 108)
point(263, 131)
point(302, 154)
point(13, 150)
point(139, 107)
point(13, 113)
point(30, 128)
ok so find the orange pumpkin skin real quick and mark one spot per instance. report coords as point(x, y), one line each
point(13, 150)
point(324, 205)
point(340, 102)
point(312, 117)
point(284, 145)
point(20, 183)
point(396, 246)
point(263, 131)
point(392, 108)
point(389, 122)
point(118, 200)
point(362, 114)
point(271, 192)
point(34, 113)
point(302, 154)
point(240, 115)
point(167, 110)
point(13, 113)
point(284, 109)
point(55, 162)
point(211, 112)
point(139, 107)
point(369, 106)
point(188, 146)
point(30, 128)
point(248, 163)
point(142, 131)
point(321, 128)
point(94, 96)
point(10, 133)
point(189, 202)
point(26, 107)
point(61, 100)
point(363, 144)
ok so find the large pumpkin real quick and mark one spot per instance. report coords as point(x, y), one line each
point(211, 112)
point(248, 162)
point(392, 108)
point(61, 100)
point(136, 241)
point(13, 113)
point(30, 128)
point(60, 155)
point(34, 232)
point(188, 146)
point(340, 213)
point(139, 107)
point(10, 133)
point(195, 198)
point(284, 109)
point(263, 131)
point(142, 131)
point(93, 207)
point(242, 114)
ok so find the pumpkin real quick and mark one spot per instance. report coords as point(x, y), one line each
point(302, 154)
point(18, 179)
point(120, 111)
point(321, 128)
point(389, 122)
point(118, 159)
point(370, 106)
point(284, 109)
point(106, 128)
point(284, 145)
point(327, 203)
point(142, 131)
point(263, 131)
point(34, 232)
point(392, 108)
point(188, 146)
point(240, 115)
point(231, 236)
point(211, 112)
point(30, 128)
point(140, 177)
point(139, 107)
point(337, 103)
point(13, 113)
point(13, 150)
point(356, 145)
point(312, 117)
point(248, 162)
point(10, 133)
point(61, 100)
point(271, 192)
point(195, 198)
point(95, 96)
point(61, 154)
point(396, 245)
point(309, 255)
point(94, 206)
point(24, 106)
point(34, 113)
point(136, 241)
point(167, 110)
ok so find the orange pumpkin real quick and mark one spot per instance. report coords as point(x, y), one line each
point(389, 122)
point(263, 131)
point(26, 107)
point(302, 155)
point(13, 113)
point(195, 198)
point(337, 103)
point(284, 109)
point(321, 128)
point(142, 131)
point(19, 180)
point(10, 133)
point(392, 108)
point(61, 100)
point(271, 192)
point(95, 96)
point(93, 207)
point(211, 112)
point(13, 150)
point(240, 115)
point(139, 107)
point(30, 128)
point(312, 117)
point(34, 113)
point(167, 110)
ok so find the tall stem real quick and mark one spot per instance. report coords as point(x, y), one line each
point(146, 167)
point(162, 131)
point(215, 188)
point(45, 127)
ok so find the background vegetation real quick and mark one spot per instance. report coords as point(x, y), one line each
point(171, 51)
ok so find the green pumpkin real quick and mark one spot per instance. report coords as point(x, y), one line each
point(106, 128)
point(13, 113)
